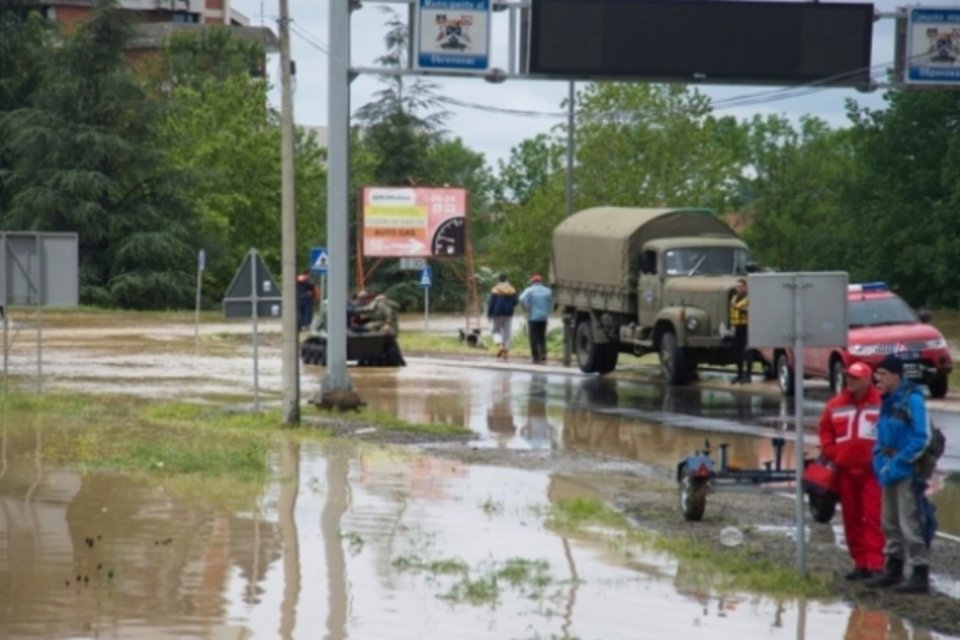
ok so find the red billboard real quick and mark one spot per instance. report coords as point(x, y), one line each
point(414, 222)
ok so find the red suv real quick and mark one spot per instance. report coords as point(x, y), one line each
point(880, 323)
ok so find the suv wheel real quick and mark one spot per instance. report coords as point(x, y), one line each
point(784, 375)
point(938, 386)
point(837, 375)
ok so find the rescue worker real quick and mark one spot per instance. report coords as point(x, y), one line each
point(307, 295)
point(500, 307)
point(739, 308)
point(903, 432)
point(381, 315)
point(848, 428)
point(537, 299)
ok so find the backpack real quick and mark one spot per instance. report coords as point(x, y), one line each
point(927, 460)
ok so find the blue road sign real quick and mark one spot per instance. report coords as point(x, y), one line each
point(452, 34)
point(319, 260)
point(426, 277)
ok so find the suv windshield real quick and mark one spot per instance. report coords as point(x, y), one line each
point(879, 311)
point(705, 261)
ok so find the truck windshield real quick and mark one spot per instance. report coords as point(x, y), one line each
point(879, 312)
point(705, 261)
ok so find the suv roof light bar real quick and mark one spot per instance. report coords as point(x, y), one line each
point(868, 287)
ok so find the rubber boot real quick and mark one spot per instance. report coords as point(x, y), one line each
point(506, 354)
point(892, 575)
point(918, 582)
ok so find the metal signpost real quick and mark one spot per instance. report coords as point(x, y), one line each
point(798, 310)
point(201, 265)
point(37, 269)
point(426, 280)
point(253, 293)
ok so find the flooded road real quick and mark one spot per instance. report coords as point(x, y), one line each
point(364, 542)
point(360, 542)
point(648, 423)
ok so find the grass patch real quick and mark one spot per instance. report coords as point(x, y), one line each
point(580, 512)
point(390, 422)
point(484, 586)
point(130, 435)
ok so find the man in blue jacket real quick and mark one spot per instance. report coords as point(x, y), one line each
point(903, 432)
point(537, 299)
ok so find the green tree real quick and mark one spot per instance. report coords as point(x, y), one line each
point(906, 191)
point(80, 160)
point(798, 178)
point(654, 145)
point(223, 139)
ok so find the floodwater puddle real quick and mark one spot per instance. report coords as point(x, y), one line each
point(355, 542)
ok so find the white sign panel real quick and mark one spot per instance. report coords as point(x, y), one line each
point(823, 302)
point(933, 46)
point(453, 34)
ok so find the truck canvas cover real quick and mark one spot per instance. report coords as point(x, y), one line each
point(602, 245)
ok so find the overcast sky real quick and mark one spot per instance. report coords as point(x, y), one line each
point(495, 133)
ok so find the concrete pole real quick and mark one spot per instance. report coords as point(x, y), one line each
point(338, 171)
point(288, 224)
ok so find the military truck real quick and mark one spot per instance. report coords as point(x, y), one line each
point(633, 280)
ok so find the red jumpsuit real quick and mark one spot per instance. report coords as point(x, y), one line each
point(848, 429)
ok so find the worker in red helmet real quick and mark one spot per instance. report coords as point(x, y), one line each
point(848, 428)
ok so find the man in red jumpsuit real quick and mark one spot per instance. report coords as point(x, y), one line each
point(848, 429)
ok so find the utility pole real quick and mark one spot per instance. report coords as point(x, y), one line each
point(288, 231)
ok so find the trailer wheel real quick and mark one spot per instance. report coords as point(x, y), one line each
point(672, 360)
point(693, 496)
point(822, 506)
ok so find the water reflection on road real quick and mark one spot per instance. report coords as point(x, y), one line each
point(649, 423)
point(351, 542)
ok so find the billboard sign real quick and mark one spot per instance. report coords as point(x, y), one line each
point(721, 41)
point(452, 34)
point(933, 46)
point(412, 222)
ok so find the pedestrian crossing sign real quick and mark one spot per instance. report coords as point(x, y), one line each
point(319, 260)
point(426, 277)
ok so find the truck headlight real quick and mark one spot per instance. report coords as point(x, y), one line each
point(862, 349)
point(938, 343)
point(693, 325)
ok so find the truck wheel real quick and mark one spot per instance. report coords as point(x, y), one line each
point(588, 352)
point(784, 375)
point(837, 375)
point(672, 361)
point(693, 496)
point(822, 506)
point(607, 358)
point(938, 386)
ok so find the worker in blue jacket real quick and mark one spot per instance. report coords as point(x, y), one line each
point(537, 300)
point(903, 433)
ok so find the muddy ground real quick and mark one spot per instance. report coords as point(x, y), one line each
point(646, 494)
point(648, 497)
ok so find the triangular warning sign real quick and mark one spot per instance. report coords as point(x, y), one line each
point(253, 270)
